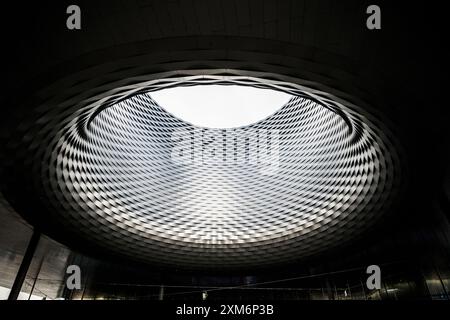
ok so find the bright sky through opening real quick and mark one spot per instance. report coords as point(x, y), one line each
point(219, 106)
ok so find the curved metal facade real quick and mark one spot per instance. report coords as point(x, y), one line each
point(112, 176)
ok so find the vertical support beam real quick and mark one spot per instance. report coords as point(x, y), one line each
point(349, 291)
point(442, 283)
point(363, 289)
point(329, 292)
point(36, 275)
point(88, 274)
point(161, 293)
point(23, 269)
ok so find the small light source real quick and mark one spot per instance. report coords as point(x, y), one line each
point(220, 106)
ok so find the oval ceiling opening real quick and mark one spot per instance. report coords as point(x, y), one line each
point(220, 106)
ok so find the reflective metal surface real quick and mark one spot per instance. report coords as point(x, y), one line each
point(129, 177)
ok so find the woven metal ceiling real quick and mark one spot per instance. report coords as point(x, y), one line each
point(112, 176)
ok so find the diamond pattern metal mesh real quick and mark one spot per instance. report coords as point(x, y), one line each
point(113, 180)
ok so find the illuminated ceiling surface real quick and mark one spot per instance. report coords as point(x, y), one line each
point(303, 176)
point(211, 171)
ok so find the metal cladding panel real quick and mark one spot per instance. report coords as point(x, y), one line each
point(115, 174)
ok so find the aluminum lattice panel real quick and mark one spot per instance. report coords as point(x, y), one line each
point(119, 185)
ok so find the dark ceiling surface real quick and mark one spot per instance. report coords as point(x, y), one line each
point(396, 72)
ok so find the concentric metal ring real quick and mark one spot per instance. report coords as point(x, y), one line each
point(112, 180)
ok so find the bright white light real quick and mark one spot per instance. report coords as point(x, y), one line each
point(219, 106)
